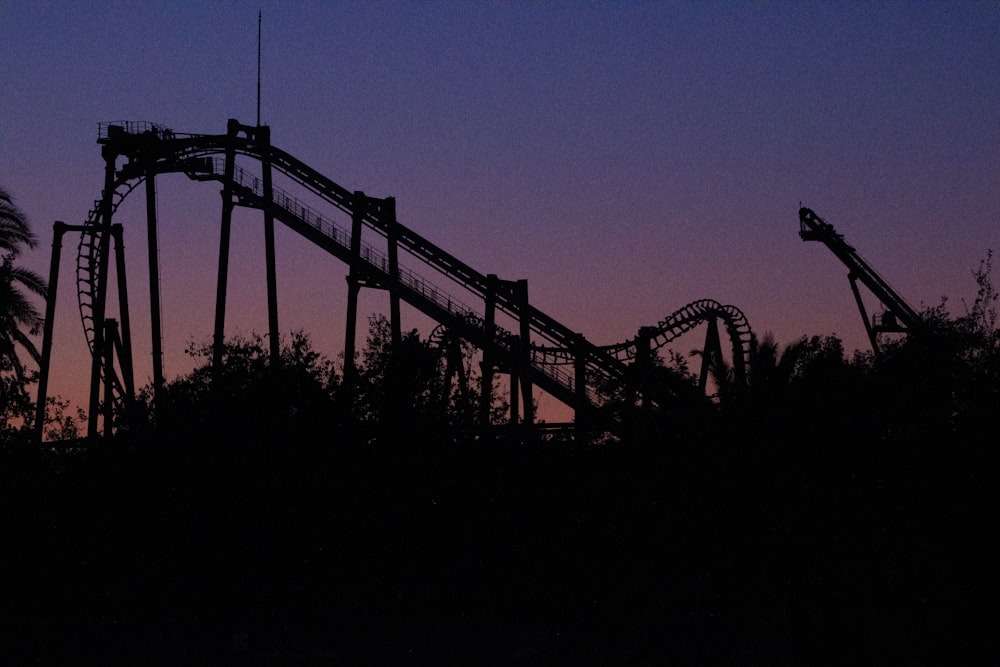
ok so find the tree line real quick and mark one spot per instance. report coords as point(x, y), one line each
point(835, 509)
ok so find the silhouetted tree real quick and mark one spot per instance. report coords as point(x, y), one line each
point(457, 385)
point(248, 400)
point(16, 406)
point(19, 318)
point(659, 403)
point(409, 388)
point(393, 382)
point(804, 391)
point(825, 388)
point(946, 382)
point(762, 407)
point(400, 394)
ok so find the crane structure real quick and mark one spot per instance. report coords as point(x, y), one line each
point(898, 316)
point(512, 335)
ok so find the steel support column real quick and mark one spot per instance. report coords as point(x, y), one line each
point(869, 329)
point(264, 138)
point(125, 351)
point(110, 333)
point(218, 342)
point(389, 219)
point(524, 361)
point(152, 241)
point(644, 362)
point(359, 209)
point(711, 354)
point(515, 386)
point(580, 414)
point(488, 362)
point(58, 229)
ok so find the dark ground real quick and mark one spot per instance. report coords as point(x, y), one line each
point(732, 554)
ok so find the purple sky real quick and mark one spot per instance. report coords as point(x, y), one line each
point(626, 158)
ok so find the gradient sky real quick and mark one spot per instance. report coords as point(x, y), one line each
point(626, 158)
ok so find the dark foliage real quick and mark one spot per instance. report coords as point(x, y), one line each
point(20, 323)
point(722, 552)
point(249, 402)
point(17, 409)
point(835, 511)
point(19, 317)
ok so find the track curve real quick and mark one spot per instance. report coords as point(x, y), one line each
point(671, 328)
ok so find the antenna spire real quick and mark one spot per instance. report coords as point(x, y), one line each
point(258, 67)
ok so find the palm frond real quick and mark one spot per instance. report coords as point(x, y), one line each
point(22, 339)
point(17, 309)
point(14, 228)
point(20, 319)
point(9, 358)
point(29, 279)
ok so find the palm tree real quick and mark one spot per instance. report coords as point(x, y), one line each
point(773, 370)
point(19, 318)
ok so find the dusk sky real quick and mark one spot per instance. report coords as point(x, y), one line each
point(626, 158)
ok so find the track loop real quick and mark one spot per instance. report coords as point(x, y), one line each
point(666, 331)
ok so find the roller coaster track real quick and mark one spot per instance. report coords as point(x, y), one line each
point(89, 270)
point(670, 329)
point(88, 263)
point(152, 149)
point(899, 316)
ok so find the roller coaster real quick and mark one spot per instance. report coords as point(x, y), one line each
point(897, 316)
point(379, 251)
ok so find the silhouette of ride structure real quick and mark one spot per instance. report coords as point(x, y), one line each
point(513, 336)
point(897, 317)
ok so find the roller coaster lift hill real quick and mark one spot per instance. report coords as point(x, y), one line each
point(897, 315)
point(381, 253)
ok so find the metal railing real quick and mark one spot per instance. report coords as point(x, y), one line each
point(405, 276)
point(132, 127)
